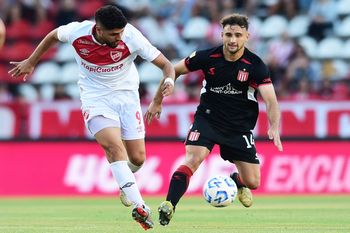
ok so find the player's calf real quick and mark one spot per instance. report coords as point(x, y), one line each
point(245, 196)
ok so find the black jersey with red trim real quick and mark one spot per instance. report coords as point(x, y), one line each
point(229, 94)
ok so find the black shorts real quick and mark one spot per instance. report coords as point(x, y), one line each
point(233, 146)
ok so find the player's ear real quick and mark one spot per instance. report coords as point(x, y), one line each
point(98, 30)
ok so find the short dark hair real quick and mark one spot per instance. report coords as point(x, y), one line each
point(235, 19)
point(110, 17)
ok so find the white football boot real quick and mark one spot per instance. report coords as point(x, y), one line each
point(124, 199)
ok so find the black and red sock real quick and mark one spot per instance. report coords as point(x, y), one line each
point(178, 184)
point(237, 179)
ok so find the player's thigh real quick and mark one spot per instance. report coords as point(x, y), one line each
point(195, 156)
point(110, 140)
point(136, 151)
point(249, 173)
point(238, 146)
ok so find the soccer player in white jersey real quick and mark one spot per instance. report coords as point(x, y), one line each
point(105, 51)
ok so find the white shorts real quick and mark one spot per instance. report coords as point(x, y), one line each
point(122, 110)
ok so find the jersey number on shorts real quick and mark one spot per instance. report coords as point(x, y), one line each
point(249, 141)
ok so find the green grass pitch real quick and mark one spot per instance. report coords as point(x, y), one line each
point(270, 214)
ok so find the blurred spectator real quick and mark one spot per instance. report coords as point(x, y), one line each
point(280, 50)
point(29, 10)
point(5, 94)
point(213, 35)
point(162, 33)
point(326, 91)
point(13, 14)
point(299, 69)
point(341, 91)
point(278, 54)
point(328, 70)
point(183, 11)
point(202, 9)
point(66, 12)
point(60, 92)
point(323, 14)
point(304, 6)
point(287, 8)
point(193, 85)
point(135, 5)
point(303, 90)
point(228, 6)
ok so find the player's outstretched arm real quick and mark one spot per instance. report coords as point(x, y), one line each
point(26, 66)
point(167, 83)
point(165, 88)
point(155, 107)
point(268, 94)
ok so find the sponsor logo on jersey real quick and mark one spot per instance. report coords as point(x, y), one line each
point(211, 71)
point(116, 55)
point(101, 69)
point(81, 41)
point(84, 52)
point(228, 89)
point(193, 136)
point(242, 75)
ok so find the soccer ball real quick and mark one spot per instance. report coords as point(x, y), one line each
point(220, 191)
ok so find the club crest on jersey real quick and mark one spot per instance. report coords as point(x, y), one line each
point(242, 75)
point(193, 136)
point(116, 55)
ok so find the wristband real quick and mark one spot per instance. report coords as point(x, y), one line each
point(169, 80)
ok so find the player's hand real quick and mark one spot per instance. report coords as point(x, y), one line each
point(154, 110)
point(21, 68)
point(167, 87)
point(274, 135)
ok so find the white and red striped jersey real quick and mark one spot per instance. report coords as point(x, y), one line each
point(103, 69)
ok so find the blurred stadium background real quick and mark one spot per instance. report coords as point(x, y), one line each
point(306, 44)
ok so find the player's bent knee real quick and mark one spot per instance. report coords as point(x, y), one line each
point(138, 159)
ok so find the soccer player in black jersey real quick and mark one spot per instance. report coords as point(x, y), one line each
point(227, 112)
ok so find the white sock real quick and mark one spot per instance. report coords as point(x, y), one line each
point(126, 180)
point(134, 168)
